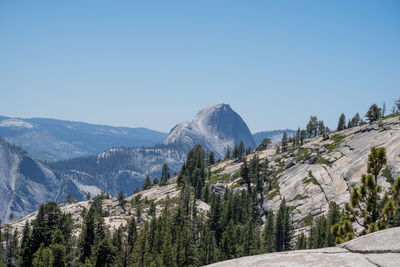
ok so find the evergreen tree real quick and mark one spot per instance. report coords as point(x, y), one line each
point(58, 249)
point(355, 121)
point(341, 123)
point(147, 183)
point(106, 253)
point(241, 149)
point(366, 207)
point(132, 234)
point(43, 257)
point(87, 236)
point(383, 109)
point(136, 190)
point(48, 220)
point(283, 228)
point(284, 142)
point(303, 136)
point(301, 242)
point(165, 175)
point(397, 104)
point(121, 199)
point(235, 152)
point(155, 181)
point(244, 173)
point(312, 126)
point(25, 250)
point(269, 237)
point(298, 137)
point(227, 154)
point(265, 143)
point(374, 113)
point(211, 158)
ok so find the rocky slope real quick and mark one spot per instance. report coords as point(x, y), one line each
point(116, 169)
point(215, 127)
point(321, 170)
point(115, 214)
point(25, 182)
point(377, 249)
point(50, 139)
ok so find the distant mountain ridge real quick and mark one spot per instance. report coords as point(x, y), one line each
point(51, 139)
point(22, 176)
point(215, 127)
point(25, 182)
point(274, 135)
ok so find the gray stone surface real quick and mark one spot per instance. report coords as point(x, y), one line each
point(376, 249)
point(386, 241)
point(335, 169)
point(215, 127)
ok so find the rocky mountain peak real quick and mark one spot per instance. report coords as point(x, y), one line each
point(215, 127)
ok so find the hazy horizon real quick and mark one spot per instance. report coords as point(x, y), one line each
point(156, 64)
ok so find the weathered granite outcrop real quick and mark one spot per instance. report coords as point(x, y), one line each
point(377, 249)
point(323, 170)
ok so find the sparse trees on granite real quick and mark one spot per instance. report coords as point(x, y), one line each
point(367, 208)
point(341, 123)
point(374, 113)
point(147, 183)
point(264, 144)
point(284, 142)
point(165, 175)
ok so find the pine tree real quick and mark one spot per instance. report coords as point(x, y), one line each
point(244, 173)
point(147, 183)
point(374, 113)
point(269, 237)
point(87, 236)
point(332, 219)
point(132, 234)
point(211, 158)
point(106, 253)
point(366, 208)
point(341, 123)
point(43, 257)
point(121, 199)
point(355, 121)
point(241, 149)
point(383, 109)
point(235, 152)
point(155, 181)
point(25, 250)
point(312, 126)
point(301, 242)
point(265, 143)
point(227, 154)
point(165, 175)
point(284, 142)
point(283, 228)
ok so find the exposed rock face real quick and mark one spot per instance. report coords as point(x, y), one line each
point(377, 249)
point(115, 215)
point(24, 182)
point(116, 169)
point(325, 170)
point(215, 127)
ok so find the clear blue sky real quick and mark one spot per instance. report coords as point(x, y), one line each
point(156, 63)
